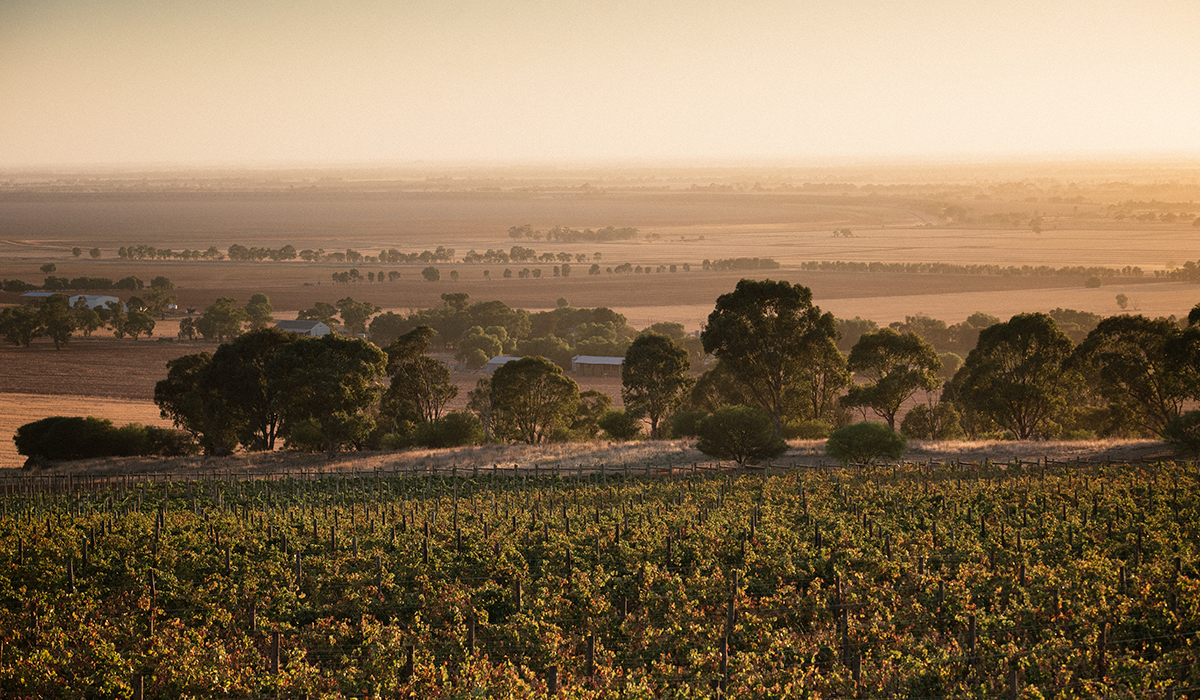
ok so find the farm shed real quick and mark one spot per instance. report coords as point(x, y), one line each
point(596, 365)
point(94, 301)
point(497, 361)
point(315, 329)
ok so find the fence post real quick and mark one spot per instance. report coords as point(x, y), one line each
point(275, 653)
point(552, 680)
point(590, 659)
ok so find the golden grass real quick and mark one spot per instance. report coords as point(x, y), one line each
point(19, 409)
point(633, 458)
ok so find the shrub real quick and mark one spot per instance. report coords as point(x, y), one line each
point(620, 425)
point(1183, 434)
point(170, 443)
point(451, 430)
point(863, 443)
point(742, 434)
point(806, 430)
point(686, 423)
point(1093, 282)
point(306, 436)
point(72, 437)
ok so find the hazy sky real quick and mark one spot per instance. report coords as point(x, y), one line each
point(220, 82)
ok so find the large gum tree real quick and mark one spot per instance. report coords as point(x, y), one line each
point(767, 334)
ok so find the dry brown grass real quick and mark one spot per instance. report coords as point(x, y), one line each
point(633, 458)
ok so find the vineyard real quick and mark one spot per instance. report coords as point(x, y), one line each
point(977, 580)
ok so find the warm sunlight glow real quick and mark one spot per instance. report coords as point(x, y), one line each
point(267, 82)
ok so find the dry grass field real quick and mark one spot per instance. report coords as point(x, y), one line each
point(1099, 224)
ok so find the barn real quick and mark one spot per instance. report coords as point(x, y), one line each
point(597, 365)
point(315, 329)
point(93, 301)
point(497, 361)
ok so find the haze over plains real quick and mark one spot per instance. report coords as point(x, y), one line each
point(309, 82)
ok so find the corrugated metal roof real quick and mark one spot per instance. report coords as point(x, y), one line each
point(597, 360)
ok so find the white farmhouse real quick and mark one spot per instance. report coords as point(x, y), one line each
point(316, 329)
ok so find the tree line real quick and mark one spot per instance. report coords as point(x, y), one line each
point(940, 268)
point(56, 318)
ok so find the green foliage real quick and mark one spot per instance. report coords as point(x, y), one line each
point(221, 320)
point(131, 283)
point(258, 312)
point(941, 422)
point(621, 425)
point(17, 286)
point(1017, 375)
point(56, 320)
point(477, 346)
point(653, 379)
point(686, 423)
point(1093, 282)
point(323, 312)
point(770, 336)
point(48, 268)
point(345, 624)
point(896, 366)
point(864, 443)
point(455, 429)
point(552, 348)
point(136, 323)
point(743, 434)
point(419, 391)
point(1127, 359)
point(72, 437)
point(355, 314)
point(333, 380)
point(531, 399)
point(849, 330)
point(806, 430)
point(592, 405)
point(1183, 434)
point(431, 274)
point(20, 324)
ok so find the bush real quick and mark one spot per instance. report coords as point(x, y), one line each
point(806, 430)
point(1183, 434)
point(742, 434)
point(620, 425)
point(1093, 282)
point(863, 443)
point(685, 423)
point(451, 430)
point(306, 436)
point(72, 437)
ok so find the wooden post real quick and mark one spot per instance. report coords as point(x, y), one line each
point(517, 596)
point(407, 671)
point(471, 633)
point(590, 659)
point(1013, 684)
point(724, 668)
point(552, 680)
point(1101, 648)
point(971, 637)
point(275, 653)
point(137, 687)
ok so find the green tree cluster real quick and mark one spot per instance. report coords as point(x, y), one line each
point(266, 384)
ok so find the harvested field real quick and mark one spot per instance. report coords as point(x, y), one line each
point(17, 409)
